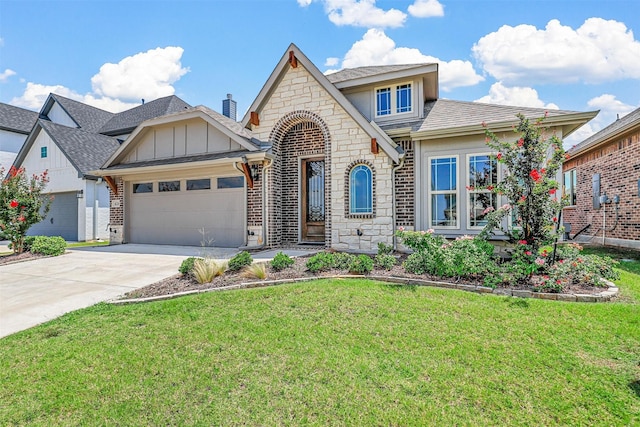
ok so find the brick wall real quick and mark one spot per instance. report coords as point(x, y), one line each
point(254, 202)
point(406, 187)
point(618, 164)
point(116, 213)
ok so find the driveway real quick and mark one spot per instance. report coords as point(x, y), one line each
point(36, 291)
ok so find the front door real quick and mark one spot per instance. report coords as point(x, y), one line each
point(312, 200)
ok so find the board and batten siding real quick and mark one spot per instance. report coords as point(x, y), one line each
point(186, 138)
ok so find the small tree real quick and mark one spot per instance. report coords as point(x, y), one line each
point(22, 204)
point(529, 183)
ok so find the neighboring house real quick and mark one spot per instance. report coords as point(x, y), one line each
point(602, 182)
point(69, 140)
point(339, 160)
point(15, 125)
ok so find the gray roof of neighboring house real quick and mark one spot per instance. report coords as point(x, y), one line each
point(87, 117)
point(360, 72)
point(85, 150)
point(620, 125)
point(445, 114)
point(16, 119)
point(179, 160)
point(128, 120)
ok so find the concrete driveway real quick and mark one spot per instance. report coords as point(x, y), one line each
point(36, 291)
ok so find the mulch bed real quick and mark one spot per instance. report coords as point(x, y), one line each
point(180, 283)
point(13, 258)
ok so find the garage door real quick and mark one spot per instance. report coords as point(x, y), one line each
point(176, 212)
point(62, 219)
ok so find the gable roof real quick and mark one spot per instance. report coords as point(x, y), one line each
point(16, 119)
point(369, 74)
point(445, 117)
point(234, 130)
point(614, 129)
point(85, 116)
point(384, 141)
point(86, 151)
point(127, 121)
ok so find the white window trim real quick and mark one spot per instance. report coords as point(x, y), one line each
point(393, 88)
point(468, 183)
point(573, 183)
point(456, 192)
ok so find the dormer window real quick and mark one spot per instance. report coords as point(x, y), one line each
point(395, 99)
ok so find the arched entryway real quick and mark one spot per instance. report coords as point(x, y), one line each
point(300, 205)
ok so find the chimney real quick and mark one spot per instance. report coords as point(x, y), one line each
point(229, 107)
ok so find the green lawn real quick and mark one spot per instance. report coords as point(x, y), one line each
point(331, 352)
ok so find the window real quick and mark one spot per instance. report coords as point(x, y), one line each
point(198, 184)
point(483, 176)
point(360, 190)
point(570, 186)
point(394, 100)
point(443, 188)
point(231, 182)
point(168, 186)
point(43, 152)
point(145, 187)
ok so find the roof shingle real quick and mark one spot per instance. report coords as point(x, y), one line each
point(16, 119)
point(361, 72)
point(127, 121)
point(87, 117)
point(608, 131)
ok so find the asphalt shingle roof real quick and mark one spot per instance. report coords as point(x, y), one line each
point(610, 130)
point(179, 160)
point(87, 151)
point(232, 125)
point(361, 72)
point(128, 120)
point(17, 119)
point(446, 114)
point(87, 117)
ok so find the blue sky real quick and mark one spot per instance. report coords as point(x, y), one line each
point(568, 54)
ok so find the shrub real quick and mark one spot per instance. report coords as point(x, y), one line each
point(385, 261)
point(281, 261)
point(584, 269)
point(187, 266)
point(322, 261)
point(240, 260)
point(256, 271)
point(55, 245)
point(342, 260)
point(384, 249)
point(206, 269)
point(416, 263)
point(361, 264)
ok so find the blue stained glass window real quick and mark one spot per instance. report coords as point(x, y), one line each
point(361, 190)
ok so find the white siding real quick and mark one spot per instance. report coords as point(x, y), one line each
point(10, 144)
point(58, 115)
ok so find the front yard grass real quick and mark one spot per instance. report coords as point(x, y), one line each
point(330, 352)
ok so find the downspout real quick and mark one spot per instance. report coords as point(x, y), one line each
point(246, 237)
point(393, 200)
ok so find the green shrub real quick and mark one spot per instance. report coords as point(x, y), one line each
point(384, 249)
point(322, 261)
point(240, 260)
point(54, 245)
point(385, 261)
point(361, 264)
point(416, 263)
point(26, 244)
point(342, 260)
point(281, 261)
point(187, 265)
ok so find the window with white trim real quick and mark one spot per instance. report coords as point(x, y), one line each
point(360, 190)
point(482, 178)
point(443, 192)
point(570, 186)
point(394, 99)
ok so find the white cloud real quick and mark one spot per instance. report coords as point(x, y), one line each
point(376, 48)
point(426, 9)
point(360, 13)
point(331, 62)
point(610, 110)
point(6, 74)
point(118, 87)
point(148, 75)
point(598, 51)
point(516, 96)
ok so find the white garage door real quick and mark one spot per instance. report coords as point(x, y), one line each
point(176, 212)
point(62, 219)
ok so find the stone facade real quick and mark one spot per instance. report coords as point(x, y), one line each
point(618, 163)
point(299, 95)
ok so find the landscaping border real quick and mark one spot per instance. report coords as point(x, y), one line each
point(603, 296)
